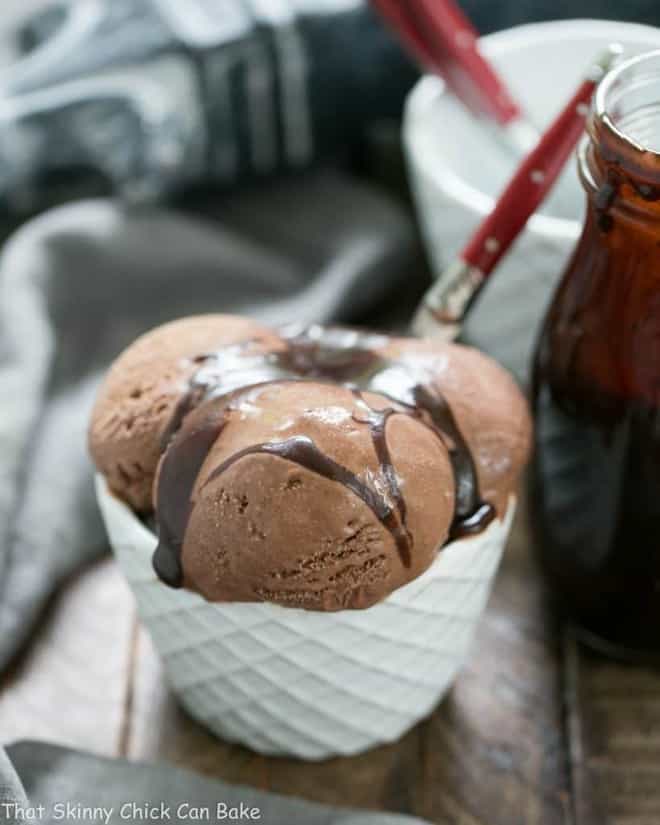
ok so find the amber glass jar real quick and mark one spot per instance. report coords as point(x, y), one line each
point(596, 382)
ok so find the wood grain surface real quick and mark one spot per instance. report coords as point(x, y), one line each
point(536, 731)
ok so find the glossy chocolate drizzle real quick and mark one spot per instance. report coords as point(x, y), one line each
point(327, 355)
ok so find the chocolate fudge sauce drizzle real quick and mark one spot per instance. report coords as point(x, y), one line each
point(314, 353)
point(377, 420)
point(301, 450)
point(178, 473)
point(471, 513)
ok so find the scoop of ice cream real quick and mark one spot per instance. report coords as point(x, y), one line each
point(309, 495)
point(142, 389)
point(486, 403)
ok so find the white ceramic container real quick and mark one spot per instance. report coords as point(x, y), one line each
point(458, 166)
point(309, 684)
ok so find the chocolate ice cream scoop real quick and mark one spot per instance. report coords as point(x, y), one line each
point(141, 392)
point(324, 467)
point(304, 494)
point(485, 401)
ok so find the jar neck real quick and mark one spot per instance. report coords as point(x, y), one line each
point(619, 159)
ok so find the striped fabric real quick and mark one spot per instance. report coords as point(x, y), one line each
point(155, 95)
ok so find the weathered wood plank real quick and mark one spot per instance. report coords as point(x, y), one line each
point(70, 687)
point(495, 749)
point(616, 764)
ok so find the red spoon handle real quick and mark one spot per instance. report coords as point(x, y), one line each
point(530, 184)
point(454, 42)
point(441, 37)
point(447, 301)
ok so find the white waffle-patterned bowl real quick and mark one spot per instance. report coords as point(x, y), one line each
point(309, 684)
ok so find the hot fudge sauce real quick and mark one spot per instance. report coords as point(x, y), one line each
point(596, 383)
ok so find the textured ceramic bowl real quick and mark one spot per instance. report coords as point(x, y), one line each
point(458, 166)
point(300, 683)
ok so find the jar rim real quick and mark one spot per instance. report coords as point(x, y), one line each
point(604, 91)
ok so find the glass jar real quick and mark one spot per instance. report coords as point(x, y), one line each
point(596, 382)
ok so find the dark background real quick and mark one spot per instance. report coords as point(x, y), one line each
point(490, 15)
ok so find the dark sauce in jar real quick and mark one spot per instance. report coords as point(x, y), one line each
point(596, 383)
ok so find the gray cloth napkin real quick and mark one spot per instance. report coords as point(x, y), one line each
point(76, 286)
point(53, 777)
point(12, 792)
